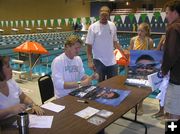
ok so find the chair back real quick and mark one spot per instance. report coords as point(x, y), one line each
point(46, 87)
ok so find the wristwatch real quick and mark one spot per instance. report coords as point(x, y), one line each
point(79, 84)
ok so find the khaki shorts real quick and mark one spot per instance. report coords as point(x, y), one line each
point(172, 99)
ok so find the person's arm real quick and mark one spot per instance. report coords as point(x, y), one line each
point(131, 45)
point(116, 43)
point(12, 110)
point(28, 101)
point(171, 52)
point(85, 80)
point(89, 43)
point(69, 85)
point(16, 108)
point(161, 43)
point(89, 57)
point(57, 75)
point(118, 46)
point(151, 42)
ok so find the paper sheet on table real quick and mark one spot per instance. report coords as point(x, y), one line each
point(87, 112)
point(53, 107)
point(36, 121)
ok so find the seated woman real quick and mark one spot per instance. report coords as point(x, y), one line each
point(13, 100)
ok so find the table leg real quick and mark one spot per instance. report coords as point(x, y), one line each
point(135, 120)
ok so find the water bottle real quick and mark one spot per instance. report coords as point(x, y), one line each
point(23, 123)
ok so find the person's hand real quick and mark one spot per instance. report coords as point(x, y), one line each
point(126, 52)
point(159, 74)
point(95, 76)
point(91, 65)
point(36, 109)
point(86, 82)
point(18, 108)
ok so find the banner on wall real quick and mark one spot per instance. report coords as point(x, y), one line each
point(92, 19)
point(163, 16)
point(2, 23)
point(59, 22)
point(45, 23)
point(33, 21)
point(123, 18)
point(112, 18)
point(137, 16)
point(124, 21)
point(71, 21)
point(66, 21)
point(143, 17)
point(79, 20)
point(27, 23)
point(7, 23)
point(150, 15)
point(74, 21)
point(39, 23)
point(117, 18)
point(11, 23)
point(131, 17)
point(16, 23)
point(63, 21)
point(52, 22)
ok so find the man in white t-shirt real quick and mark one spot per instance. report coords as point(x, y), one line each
point(67, 69)
point(101, 41)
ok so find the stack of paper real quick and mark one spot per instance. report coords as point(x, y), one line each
point(36, 121)
point(87, 112)
point(53, 107)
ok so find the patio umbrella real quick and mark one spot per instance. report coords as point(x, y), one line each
point(31, 47)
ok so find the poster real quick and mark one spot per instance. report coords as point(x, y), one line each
point(143, 63)
point(103, 95)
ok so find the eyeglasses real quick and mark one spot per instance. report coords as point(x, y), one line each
point(153, 64)
point(149, 67)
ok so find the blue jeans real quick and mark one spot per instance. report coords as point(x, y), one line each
point(105, 72)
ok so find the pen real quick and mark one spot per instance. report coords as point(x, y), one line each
point(82, 101)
